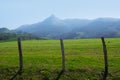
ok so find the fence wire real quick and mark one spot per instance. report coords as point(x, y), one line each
point(43, 57)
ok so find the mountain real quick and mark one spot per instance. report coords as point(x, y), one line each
point(55, 28)
point(51, 27)
point(107, 27)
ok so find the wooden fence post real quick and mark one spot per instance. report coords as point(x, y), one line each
point(105, 59)
point(20, 55)
point(20, 60)
point(63, 55)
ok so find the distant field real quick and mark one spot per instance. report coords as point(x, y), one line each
point(42, 59)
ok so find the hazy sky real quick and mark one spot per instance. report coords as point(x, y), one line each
point(14, 13)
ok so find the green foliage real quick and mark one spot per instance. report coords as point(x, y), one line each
point(14, 36)
point(42, 59)
point(9, 35)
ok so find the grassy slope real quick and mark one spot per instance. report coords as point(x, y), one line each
point(42, 59)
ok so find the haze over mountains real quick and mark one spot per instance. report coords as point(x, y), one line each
point(55, 28)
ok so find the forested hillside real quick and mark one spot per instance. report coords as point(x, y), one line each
point(6, 34)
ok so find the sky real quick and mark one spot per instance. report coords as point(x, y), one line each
point(14, 13)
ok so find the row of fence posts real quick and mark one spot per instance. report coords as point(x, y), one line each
point(19, 72)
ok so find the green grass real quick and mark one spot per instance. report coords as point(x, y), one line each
point(42, 59)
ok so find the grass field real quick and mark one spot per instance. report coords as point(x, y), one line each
point(42, 59)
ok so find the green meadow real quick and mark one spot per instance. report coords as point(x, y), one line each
point(42, 59)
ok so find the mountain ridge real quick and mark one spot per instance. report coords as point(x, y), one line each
point(55, 28)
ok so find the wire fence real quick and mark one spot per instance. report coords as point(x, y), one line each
point(64, 55)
